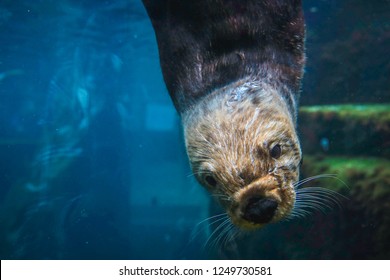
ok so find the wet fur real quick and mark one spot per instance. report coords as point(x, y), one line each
point(230, 137)
point(233, 70)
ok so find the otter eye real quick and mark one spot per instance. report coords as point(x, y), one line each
point(210, 180)
point(276, 151)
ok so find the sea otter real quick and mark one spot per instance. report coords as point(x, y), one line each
point(233, 70)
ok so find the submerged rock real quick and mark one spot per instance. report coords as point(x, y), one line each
point(346, 130)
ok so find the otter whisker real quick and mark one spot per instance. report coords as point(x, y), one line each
point(315, 198)
point(295, 215)
point(217, 218)
point(328, 201)
point(231, 231)
point(314, 205)
point(226, 235)
point(298, 213)
point(219, 227)
point(322, 193)
point(304, 181)
point(199, 173)
point(191, 175)
point(301, 215)
point(212, 220)
point(238, 232)
point(234, 232)
point(222, 234)
point(222, 197)
point(318, 196)
point(319, 191)
point(196, 173)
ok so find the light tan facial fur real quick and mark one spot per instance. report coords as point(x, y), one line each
point(231, 138)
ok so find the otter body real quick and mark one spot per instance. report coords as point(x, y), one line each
point(233, 70)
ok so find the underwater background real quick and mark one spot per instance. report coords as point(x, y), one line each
point(92, 159)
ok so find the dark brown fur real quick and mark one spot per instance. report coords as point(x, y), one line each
point(206, 44)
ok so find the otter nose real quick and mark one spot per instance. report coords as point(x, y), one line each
point(260, 210)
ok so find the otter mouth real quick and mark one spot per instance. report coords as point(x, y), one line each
point(260, 203)
point(260, 210)
point(257, 212)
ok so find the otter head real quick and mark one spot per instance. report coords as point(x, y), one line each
point(243, 147)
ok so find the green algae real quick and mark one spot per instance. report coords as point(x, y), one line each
point(353, 130)
point(377, 112)
point(343, 164)
point(352, 171)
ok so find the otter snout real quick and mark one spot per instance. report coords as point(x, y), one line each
point(259, 210)
point(265, 200)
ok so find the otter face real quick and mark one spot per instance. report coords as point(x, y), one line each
point(248, 158)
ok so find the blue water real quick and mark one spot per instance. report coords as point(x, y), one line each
point(92, 158)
